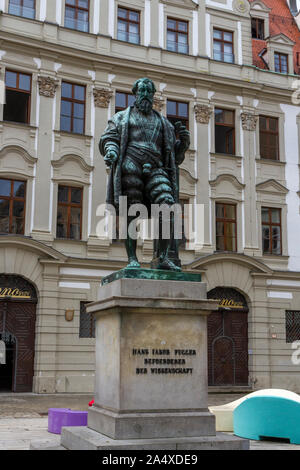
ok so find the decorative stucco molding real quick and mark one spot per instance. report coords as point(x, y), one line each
point(102, 97)
point(249, 121)
point(202, 113)
point(241, 6)
point(47, 86)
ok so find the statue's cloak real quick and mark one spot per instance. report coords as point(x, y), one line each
point(116, 134)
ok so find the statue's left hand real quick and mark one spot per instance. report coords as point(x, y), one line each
point(184, 136)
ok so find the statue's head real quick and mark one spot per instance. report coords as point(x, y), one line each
point(144, 90)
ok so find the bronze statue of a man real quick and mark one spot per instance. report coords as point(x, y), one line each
point(140, 146)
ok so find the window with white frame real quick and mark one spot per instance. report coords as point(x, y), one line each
point(24, 8)
point(77, 15)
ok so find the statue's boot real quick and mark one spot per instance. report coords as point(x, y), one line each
point(167, 264)
point(164, 261)
point(131, 253)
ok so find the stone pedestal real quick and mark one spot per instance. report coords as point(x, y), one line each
point(151, 369)
point(151, 376)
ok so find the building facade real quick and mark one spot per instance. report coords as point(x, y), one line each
point(229, 70)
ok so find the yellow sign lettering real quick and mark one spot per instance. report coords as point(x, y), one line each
point(14, 293)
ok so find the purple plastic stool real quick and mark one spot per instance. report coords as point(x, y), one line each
point(61, 417)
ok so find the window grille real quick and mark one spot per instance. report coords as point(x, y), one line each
point(292, 325)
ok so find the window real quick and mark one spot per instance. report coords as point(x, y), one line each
point(271, 231)
point(178, 111)
point(224, 131)
point(87, 323)
point(258, 28)
point(184, 202)
point(18, 97)
point(281, 62)
point(72, 114)
point(269, 137)
point(12, 206)
point(177, 36)
point(128, 25)
point(25, 8)
point(226, 227)
point(123, 100)
point(69, 212)
point(77, 15)
point(223, 46)
point(292, 325)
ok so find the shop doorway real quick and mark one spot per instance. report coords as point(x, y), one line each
point(227, 337)
point(17, 330)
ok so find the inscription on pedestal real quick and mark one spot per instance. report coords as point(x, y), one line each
point(171, 361)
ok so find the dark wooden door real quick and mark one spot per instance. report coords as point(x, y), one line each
point(18, 320)
point(228, 348)
point(223, 360)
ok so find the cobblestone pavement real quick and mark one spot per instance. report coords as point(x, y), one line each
point(34, 406)
point(23, 418)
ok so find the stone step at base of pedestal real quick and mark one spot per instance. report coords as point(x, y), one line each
point(83, 438)
point(149, 425)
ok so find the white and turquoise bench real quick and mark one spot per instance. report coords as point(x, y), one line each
point(268, 414)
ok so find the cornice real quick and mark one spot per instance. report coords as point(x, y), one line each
point(262, 6)
point(88, 58)
point(253, 264)
point(188, 175)
point(277, 40)
point(227, 177)
point(20, 151)
point(75, 158)
point(33, 245)
point(271, 186)
point(181, 3)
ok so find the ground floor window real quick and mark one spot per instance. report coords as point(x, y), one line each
point(87, 322)
point(292, 325)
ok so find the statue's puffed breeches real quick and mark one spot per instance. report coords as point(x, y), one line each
point(141, 181)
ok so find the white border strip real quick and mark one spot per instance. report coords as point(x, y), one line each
point(75, 285)
point(283, 282)
point(280, 295)
point(85, 272)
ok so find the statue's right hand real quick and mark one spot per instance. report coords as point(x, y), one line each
point(110, 157)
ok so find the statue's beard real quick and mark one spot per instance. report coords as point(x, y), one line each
point(144, 105)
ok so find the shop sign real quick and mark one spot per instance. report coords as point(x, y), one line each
point(14, 293)
point(230, 303)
